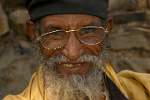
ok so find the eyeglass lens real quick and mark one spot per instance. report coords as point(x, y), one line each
point(86, 35)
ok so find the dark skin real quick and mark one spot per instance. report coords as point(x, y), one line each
point(74, 48)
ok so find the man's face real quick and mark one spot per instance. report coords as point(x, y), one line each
point(70, 45)
point(76, 53)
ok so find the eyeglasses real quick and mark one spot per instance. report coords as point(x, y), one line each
point(89, 35)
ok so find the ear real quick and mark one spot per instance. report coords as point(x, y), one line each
point(31, 33)
point(109, 24)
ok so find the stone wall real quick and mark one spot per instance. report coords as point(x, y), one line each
point(130, 41)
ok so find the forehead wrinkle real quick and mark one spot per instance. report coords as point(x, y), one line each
point(69, 21)
point(80, 21)
point(73, 22)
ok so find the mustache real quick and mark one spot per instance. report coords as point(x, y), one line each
point(83, 58)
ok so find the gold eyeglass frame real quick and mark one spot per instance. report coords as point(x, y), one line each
point(72, 30)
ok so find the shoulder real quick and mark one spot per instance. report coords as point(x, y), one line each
point(137, 85)
point(33, 90)
point(134, 85)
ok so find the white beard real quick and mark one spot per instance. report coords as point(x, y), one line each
point(75, 87)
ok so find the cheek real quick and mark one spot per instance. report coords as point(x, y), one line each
point(49, 53)
point(94, 49)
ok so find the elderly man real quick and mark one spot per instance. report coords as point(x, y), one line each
point(70, 37)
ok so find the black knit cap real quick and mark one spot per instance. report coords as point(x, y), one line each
point(40, 8)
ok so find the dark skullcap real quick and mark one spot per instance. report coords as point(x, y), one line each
point(40, 8)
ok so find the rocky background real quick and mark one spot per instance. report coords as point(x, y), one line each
point(130, 41)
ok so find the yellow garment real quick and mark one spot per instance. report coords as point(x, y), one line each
point(135, 86)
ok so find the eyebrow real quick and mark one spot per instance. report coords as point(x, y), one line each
point(94, 23)
point(53, 27)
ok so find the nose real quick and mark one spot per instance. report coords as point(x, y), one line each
point(73, 48)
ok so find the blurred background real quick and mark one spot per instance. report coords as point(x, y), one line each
point(130, 41)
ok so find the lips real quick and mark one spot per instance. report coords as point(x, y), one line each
point(69, 68)
point(68, 65)
point(73, 65)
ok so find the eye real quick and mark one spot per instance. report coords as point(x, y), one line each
point(53, 35)
point(87, 30)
